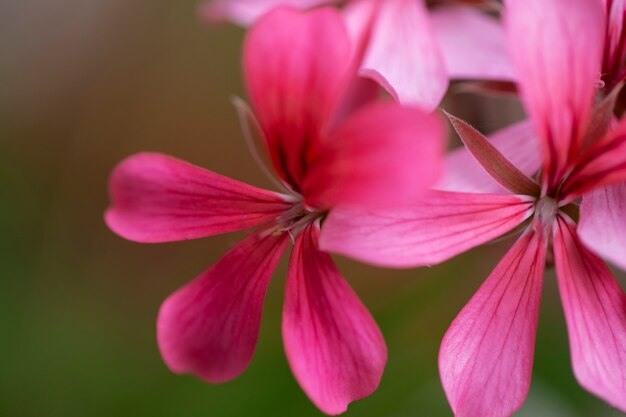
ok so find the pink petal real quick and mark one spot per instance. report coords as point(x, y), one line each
point(156, 198)
point(333, 345)
point(486, 356)
point(472, 44)
point(404, 56)
point(602, 226)
point(210, 326)
point(595, 311)
point(602, 164)
point(615, 44)
point(384, 154)
point(492, 160)
point(245, 12)
point(296, 68)
point(441, 226)
point(558, 66)
point(517, 143)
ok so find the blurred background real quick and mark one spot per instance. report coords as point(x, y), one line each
point(84, 83)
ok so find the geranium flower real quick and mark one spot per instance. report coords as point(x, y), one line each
point(614, 57)
point(413, 51)
point(298, 68)
point(486, 355)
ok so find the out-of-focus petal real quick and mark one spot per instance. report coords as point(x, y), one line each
point(615, 44)
point(558, 66)
point(602, 226)
point(486, 356)
point(602, 164)
point(518, 143)
point(245, 12)
point(297, 67)
point(442, 225)
point(403, 54)
point(595, 311)
point(210, 326)
point(473, 44)
point(156, 198)
point(383, 154)
point(333, 345)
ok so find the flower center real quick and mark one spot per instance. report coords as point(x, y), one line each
point(296, 219)
point(546, 209)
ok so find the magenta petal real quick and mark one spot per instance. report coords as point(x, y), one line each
point(245, 12)
point(595, 311)
point(404, 56)
point(602, 226)
point(333, 345)
point(156, 198)
point(602, 164)
point(297, 67)
point(518, 143)
point(440, 226)
point(210, 326)
point(486, 356)
point(472, 44)
point(558, 66)
point(384, 154)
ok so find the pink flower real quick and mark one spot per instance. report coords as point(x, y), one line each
point(298, 67)
point(413, 52)
point(486, 355)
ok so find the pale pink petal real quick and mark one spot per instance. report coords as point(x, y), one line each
point(472, 43)
point(602, 226)
point(404, 56)
point(333, 345)
point(210, 326)
point(156, 198)
point(384, 154)
point(518, 143)
point(245, 12)
point(602, 164)
point(595, 311)
point(558, 66)
point(441, 226)
point(296, 68)
point(486, 356)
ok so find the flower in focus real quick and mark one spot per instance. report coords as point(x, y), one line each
point(486, 355)
point(413, 51)
point(299, 68)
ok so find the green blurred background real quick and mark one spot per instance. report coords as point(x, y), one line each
point(84, 83)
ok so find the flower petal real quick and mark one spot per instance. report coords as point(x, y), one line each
point(383, 154)
point(518, 143)
point(602, 226)
point(472, 44)
point(404, 56)
point(210, 326)
point(558, 67)
point(245, 12)
point(441, 226)
point(156, 198)
point(615, 46)
point(296, 68)
point(602, 164)
point(333, 345)
point(595, 311)
point(486, 356)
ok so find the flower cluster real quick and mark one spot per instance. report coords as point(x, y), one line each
point(366, 176)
